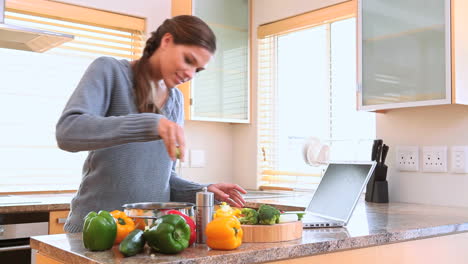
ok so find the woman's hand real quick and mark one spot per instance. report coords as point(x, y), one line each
point(229, 193)
point(173, 136)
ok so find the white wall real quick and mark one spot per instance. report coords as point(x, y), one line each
point(425, 126)
point(231, 150)
point(436, 125)
point(214, 138)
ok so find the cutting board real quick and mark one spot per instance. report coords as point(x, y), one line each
point(272, 233)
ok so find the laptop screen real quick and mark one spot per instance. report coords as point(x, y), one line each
point(340, 189)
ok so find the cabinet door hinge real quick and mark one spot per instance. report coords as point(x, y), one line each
point(191, 101)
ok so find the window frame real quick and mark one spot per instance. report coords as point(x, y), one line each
point(64, 12)
point(269, 33)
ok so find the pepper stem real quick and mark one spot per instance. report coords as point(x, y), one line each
point(121, 221)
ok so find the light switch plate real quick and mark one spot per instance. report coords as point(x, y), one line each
point(197, 158)
point(459, 159)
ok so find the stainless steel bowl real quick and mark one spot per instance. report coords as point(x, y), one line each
point(149, 212)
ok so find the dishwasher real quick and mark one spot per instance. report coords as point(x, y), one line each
point(15, 231)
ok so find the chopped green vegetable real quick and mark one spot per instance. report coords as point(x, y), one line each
point(300, 214)
point(250, 216)
point(268, 215)
point(285, 218)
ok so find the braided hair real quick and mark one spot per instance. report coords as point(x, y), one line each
point(185, 30)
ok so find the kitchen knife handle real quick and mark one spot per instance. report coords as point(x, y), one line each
point(384, 153)
point(379, 150)
point(375, 148)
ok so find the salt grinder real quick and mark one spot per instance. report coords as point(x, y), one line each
point(205, 205)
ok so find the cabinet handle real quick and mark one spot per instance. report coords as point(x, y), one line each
point(14, 248)
point(61, 220)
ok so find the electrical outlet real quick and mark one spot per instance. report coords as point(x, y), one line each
point(459, 157)
point(434, 159)
point(407, 158)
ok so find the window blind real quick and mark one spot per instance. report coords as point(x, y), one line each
point(273, 175)
point(324, 88)
point(93, 37)
point(36, 86)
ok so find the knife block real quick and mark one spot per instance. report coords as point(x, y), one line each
point(377, 187)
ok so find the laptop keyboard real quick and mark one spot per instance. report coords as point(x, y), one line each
point(311, 225)
point(317, 221)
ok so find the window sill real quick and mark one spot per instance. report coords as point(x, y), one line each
point(34, 189)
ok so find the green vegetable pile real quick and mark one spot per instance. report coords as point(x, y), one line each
point(249, 216)
point(268, 215)
point(265, 215)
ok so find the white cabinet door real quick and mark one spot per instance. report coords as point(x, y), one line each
point(404, 53)
point(221, 92)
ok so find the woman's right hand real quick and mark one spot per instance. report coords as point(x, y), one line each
point(173, 136)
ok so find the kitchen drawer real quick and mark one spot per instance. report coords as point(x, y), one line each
point(43, 259)
point(56, 221)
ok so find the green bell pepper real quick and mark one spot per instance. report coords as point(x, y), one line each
point(170, 234)
point(133, 243)
point(99, 231)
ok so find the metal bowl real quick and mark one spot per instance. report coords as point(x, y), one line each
point(147, 213)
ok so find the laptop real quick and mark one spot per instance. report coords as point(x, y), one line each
point(337, 194)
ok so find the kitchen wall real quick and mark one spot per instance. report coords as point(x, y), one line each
point(435, 125)
point(425, 126)
point(214, 138)
point(231, 149)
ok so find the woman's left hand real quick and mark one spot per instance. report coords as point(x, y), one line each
point(229, 193)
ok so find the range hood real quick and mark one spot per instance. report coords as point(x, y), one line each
point(30, 39)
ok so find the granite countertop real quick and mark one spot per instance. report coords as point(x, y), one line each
point(21, 203)
point(370, 225)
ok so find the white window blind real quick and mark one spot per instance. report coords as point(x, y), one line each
point(220, 93)
point(307, 88)
point(89, 40)
point(35, 88)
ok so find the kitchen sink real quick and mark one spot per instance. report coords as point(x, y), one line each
point(256, 194)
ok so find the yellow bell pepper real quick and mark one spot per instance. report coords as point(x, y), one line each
point(237, 212)
point(226, 210)
point(125, 225)
point(223, 210)
point(224, 233)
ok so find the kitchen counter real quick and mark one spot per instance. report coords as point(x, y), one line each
point(21, 203)
point(371, 225)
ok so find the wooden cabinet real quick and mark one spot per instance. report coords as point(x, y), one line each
point(221, 93)
point(411, 53)
point(434, 250)
point(43, 259)
point(441, 249)
point(57, 221)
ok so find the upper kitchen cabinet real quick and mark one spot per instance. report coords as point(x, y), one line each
point(221, 92)
point(411, 53)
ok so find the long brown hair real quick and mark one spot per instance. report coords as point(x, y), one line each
point(185, 30)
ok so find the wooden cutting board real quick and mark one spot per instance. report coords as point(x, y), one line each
point(272, 233)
